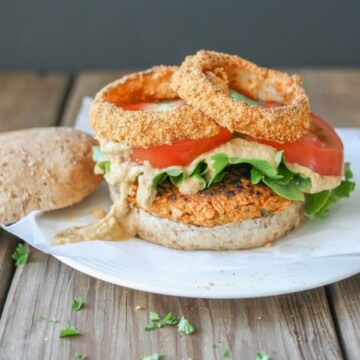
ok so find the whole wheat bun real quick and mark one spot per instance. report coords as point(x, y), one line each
point(44, 169)
point(246, 234)
point(242, 235)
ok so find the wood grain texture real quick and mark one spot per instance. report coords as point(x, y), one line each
point(86, 84)
point(29, 99)
point(26, 100)
point(345, 299)
point(7, 247)
point(295, 326)
point(333, 93)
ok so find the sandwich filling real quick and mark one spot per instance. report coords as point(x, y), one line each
point(310, 170)
point(292, 170)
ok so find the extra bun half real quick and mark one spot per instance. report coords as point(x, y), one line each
point(44, 169)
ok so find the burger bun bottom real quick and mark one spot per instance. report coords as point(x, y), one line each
point(246, 234)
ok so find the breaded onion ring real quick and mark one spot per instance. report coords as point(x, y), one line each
point(200, 81)
point(146, 128)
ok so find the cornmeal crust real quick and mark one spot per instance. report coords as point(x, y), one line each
point(146, 128)
point(197, 81)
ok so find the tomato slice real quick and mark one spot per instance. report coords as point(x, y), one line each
point(180, 152)
point(320, 150)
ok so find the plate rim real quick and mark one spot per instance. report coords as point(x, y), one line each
point(206, 293)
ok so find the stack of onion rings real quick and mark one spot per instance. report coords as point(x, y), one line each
point(196, 82)
point(146, 128)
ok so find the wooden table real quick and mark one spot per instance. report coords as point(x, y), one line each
point(323, 323)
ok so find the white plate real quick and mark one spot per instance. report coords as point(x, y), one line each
point(256, 281)
point(318, 253)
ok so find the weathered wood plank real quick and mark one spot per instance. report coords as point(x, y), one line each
point(29, 99)
point(333, 93)
point(296, 326)
point(334, 96)
point(293, 326)
point(26, 100)
point(7, 247)
point(86, 84)
point(345, 299)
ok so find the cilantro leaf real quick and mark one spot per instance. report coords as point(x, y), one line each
point(153, 326)
point(155, 356)
point(154, 316)
point(319, 204)
point(69, 331)
point(80, 357)
point(20, 255)
point(185, 327)
point(170, 319)
point(77, 304)
point(224, 353)
point(262, 356)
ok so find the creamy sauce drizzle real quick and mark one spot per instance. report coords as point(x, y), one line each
point(318, 182)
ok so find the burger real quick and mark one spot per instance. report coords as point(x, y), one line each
point(217, 154)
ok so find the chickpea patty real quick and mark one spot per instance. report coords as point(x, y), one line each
point(234, 199)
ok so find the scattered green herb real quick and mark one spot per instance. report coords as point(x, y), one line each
point(20, 255)
point(262, 356)
point(77, 304)
point(80, 357)
point(153, 326)
point(40, 318)
point(170, 320)
point(154, 316)
point(185, 327)
point(153, 357)
point(70, 331)
point(224, 353)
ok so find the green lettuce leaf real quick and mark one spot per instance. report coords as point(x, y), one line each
point(176, 176)
point(280, 179)
point(319, 204)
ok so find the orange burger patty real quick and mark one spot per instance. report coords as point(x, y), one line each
point(233, 200)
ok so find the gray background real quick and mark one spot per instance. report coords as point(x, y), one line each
point(83, 34)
